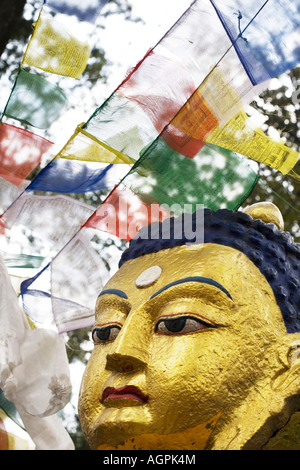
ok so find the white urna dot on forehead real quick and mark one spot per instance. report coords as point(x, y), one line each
point(147, 277)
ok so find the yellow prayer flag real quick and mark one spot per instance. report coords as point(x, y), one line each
point(83, 146)
point(220, 96)
point(239, 136)
point(54, 49)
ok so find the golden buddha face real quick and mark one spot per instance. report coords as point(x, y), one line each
point(184, 339)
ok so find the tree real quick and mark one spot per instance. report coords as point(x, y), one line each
point(12, 21)
point(280, 107)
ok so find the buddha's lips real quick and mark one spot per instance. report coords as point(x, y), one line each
point(128, 391)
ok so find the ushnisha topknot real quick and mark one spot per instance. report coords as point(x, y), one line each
point(273, 251)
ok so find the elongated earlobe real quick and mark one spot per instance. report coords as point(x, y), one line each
point(289, 375)
point(294, 353)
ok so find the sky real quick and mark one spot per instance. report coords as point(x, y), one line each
point(131, 44)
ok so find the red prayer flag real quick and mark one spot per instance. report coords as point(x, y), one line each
point(20, 152)
point(123, 213)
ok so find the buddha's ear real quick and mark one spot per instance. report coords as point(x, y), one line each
point(287, 379)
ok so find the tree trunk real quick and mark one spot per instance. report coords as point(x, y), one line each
point(11, 14)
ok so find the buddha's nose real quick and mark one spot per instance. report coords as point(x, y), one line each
point(130, 350)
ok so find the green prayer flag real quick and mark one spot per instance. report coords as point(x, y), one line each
point(9, 408)
point(215, 177)
point(21, 260)
point(34, 100)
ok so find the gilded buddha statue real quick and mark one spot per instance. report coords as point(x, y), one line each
point(196, 344)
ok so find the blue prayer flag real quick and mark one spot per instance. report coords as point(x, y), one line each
point(66, 176)
point(264, 33)
point(84, 11)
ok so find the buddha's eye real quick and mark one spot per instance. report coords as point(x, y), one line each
point(105, 334)
point(180, 325)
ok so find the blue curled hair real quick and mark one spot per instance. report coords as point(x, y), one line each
point(273, 252)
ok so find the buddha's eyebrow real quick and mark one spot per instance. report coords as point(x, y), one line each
point(117, 292)
point(204, 280)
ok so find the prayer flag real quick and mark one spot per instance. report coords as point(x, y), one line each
point(34, 100)
point(49, 221)
point(190, 83)
point(161, 83)
point(84, 11)
point(77, 177)
point(38, 299)
point(12, 433)
point(20, 152)
point(21, 260)
point(241, 136)
point(164, 182)
point(188, 129)
point(81, 166)
point(122, 125)
point(264, 33)
point(65, 291)
point(215, 177)
point(8, 193)
point(54, 49)
point(84, 146)
point(123, 213)
point(65, 176)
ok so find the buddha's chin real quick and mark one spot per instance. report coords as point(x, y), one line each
point(116, 426)
point(151, 441)
point(186, 440)
point(123, 429)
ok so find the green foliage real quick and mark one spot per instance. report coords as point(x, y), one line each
point(76, 340)
point(77, 436)
point(281, 109)
point(280, 106)
point(94, 69)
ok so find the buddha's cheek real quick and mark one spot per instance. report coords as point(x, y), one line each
point(193, 377)
point(91, 388)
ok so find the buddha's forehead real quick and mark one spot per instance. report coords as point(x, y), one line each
point(145, 275)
